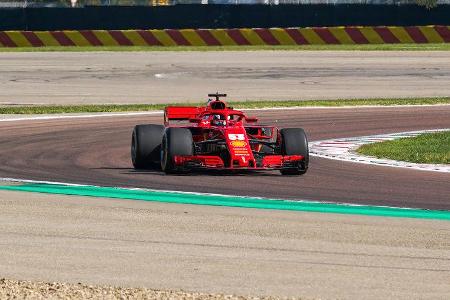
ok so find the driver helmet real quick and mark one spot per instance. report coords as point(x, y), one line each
point(218, 120)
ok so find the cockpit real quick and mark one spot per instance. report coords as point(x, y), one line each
point(220, 119)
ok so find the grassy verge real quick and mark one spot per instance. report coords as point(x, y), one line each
point(57, 109)
point(378, 47)
point(431, 148)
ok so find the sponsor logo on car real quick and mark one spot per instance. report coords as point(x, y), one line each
point(238, 143)
point(236, 136)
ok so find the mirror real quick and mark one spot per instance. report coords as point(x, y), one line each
point(251, 119)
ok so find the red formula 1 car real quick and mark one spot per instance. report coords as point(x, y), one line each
point(217, 137)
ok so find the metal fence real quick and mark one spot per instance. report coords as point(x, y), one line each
point(82, 3)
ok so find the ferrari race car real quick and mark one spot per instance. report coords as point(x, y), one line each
point(217, 137)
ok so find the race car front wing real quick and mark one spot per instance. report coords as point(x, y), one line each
point(269, 162)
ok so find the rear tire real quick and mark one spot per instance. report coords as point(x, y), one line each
point(176, 141)
point(295, 142)
point(146, 146)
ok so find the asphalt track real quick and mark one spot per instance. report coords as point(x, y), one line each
point(142, 77)
point(96, 151)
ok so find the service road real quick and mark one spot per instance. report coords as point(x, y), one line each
point(162, 77)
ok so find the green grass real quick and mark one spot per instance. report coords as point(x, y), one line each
point(57, 109)
point(431, 148)
point(380, 47)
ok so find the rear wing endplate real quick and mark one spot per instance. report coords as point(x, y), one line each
point(180, 113)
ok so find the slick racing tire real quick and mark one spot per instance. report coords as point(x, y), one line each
point(146, 146)
point(295, 142)
point(176, 141)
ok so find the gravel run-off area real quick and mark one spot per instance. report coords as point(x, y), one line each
point(19, 289)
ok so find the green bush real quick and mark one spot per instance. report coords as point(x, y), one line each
point(427, 3)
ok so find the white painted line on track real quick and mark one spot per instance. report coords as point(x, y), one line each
point(345, 107)
point(18, 180)
point(13, 118)
point(344, 149)
point(80, 116)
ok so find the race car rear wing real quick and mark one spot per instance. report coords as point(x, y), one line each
point(180, 113)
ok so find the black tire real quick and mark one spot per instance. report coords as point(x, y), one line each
point(295, 142)
point(176, 141)
point(146, 146)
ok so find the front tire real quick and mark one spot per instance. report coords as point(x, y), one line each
point(146, 146)
point(295, 142)
point(176, 141)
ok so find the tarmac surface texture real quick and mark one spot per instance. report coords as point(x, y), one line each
point(219, 249)
point(163, 77)
point(222, 250)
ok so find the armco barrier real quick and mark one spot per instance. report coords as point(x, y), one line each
point(227, 37)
